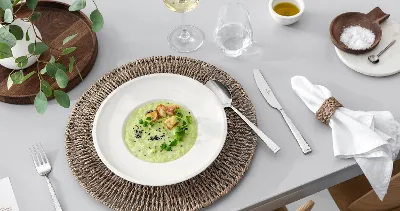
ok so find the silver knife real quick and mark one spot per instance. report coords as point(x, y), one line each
point(273, 102)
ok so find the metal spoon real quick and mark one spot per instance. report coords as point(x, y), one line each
point(225, 98)
point(375, 58)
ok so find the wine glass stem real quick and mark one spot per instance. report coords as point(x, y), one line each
point(184, 37)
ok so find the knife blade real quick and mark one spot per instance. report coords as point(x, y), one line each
point(269, 96)
point(265, 90)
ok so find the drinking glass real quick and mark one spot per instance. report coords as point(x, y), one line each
point(184, 38)
point(233, 33)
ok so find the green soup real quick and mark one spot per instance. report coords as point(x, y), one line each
point(151, 140)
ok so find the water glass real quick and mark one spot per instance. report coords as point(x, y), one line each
point(233, 33)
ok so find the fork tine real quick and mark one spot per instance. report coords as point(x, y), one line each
point(44, 153)
point(33, 157)
point(39, 154)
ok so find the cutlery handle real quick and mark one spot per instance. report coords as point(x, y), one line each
point(275, 148)
point(296, 133)
point(53, 195)
point(387, 47)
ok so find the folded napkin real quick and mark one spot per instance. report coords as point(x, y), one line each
point(371, 138)
point(7, 198)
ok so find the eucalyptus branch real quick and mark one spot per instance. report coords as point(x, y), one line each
point(19, 8)
point(54, 68)
point(95, 4)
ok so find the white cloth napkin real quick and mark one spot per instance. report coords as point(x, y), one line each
point(371, 138)
point(7, 198)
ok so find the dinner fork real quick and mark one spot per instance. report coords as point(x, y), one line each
point(43, 168)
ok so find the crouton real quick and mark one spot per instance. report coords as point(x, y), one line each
point(170, 122)
point(153, 115)
point(162, 110)
point(171, 109)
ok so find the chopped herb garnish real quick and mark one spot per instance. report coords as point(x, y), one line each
point(145, 123)
point(163, 146)
point(148, 118)
point(140, 121)
point(184, 123)
point(189, 119)
point(178, 113)
point(168, 148)
point(174, 142)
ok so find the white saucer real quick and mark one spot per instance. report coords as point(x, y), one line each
point(389, 62)
point(109, 123)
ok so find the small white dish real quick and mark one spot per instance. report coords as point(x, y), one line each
point(110, 119)
point(286, 20)
point(389, 61)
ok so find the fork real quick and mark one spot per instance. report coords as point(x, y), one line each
point(43, 168)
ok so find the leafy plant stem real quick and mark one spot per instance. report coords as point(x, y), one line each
point(79, 72)
point(95, 4)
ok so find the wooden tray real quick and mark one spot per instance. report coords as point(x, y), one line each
point(55, 23)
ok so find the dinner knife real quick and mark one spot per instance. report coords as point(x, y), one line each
point(273, 102)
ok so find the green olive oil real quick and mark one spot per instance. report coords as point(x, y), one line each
point(286, 9)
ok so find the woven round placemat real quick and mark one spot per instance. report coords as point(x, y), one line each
point(200, 191)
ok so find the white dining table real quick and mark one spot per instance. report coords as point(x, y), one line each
point(138, 28)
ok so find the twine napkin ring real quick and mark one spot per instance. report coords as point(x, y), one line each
point(327, 109)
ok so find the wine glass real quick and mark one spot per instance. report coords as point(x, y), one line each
point(233, 33)
point(184, 38)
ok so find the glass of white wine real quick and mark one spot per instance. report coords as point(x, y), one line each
point(184, 38)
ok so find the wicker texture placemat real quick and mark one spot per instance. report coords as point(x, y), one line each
point(193, 194)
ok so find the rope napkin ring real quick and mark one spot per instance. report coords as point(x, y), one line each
point(327, 109)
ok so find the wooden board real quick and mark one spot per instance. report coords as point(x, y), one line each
point(55, 23)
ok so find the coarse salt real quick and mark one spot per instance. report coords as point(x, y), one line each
point(357, 37)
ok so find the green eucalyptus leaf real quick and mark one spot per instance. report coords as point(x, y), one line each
point(52, 68)
point(27, 38)
point(16, 31)
point(27, 76)
point(5, 4)
point(1, 14)
point(68, 50)
point(43, 71)
point(9, 82)
point(32, 4)
point(46, 88)
point(8, 16)
point(62, 98)
point(34, 16)
point(7, 38)
point(97, 20)
point(52, 59)
point(61, 78)
point(69, 38)
point(16, 2)
point(5, 51)
point(40, 102)
point(21, 61)
point(37, 49)
point(77, 5)
point(71, 63)
point(17, 77)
